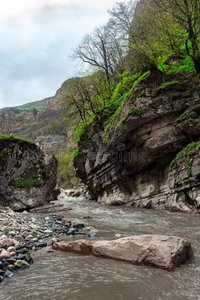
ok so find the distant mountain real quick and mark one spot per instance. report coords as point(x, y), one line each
point(45, 122)
point(38, 118)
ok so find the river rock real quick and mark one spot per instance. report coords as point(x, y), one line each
point(119, 235)
point(92, 234)
point(22, 264)
point(4, 254)
point(11, 249)
point(164, 252)
point(7, 242)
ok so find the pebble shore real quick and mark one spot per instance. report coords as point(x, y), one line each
point(23, 233)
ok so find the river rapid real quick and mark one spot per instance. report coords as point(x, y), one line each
point(58, 275)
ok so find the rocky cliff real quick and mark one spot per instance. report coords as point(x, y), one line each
point(147, 153)
point(46, 123)
point(27, 175)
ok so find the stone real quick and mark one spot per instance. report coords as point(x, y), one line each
point(71, 231)
point(11, 249)
point(7, 242)
point(48, 231)
point(29, 237)
point(4, 254)
point(92, 234)
point(11, 267)
point(22, 264)
point(78, 225)
point(164, 252)
point(11, 260)
point(27, 258)
point(119, 235)
point(41, 244)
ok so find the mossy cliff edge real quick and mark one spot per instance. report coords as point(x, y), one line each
point(27, 174)
point(147, 153)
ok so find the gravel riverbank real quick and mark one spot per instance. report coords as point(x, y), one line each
point(23, 233)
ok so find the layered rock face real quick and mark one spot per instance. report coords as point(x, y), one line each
point(129, 162)
point(27, 175)
point(159, 251)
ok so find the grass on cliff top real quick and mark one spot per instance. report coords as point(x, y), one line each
point(30, 106)
point(15, 138)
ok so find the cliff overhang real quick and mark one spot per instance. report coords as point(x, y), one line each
point(129, 160)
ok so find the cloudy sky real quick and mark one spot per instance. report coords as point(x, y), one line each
point(36, 38)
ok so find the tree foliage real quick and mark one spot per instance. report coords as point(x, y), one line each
point(186, 14)
point(139, 36)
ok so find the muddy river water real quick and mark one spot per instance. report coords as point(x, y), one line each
point(57, 275)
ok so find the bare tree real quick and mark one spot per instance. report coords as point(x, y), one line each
point(102, 50)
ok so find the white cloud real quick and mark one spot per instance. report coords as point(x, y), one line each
point(36, 41)
point(28, 8)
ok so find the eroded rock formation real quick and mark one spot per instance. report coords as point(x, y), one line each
point(27, 175)
point(129, 160)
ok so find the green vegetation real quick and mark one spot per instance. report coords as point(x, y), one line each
point(184, 65)
point(16, 139)
point(186, 118)
point(121, 55)
point(66, 172)
point(33, 105)
point(166, 84)
point(188, 154)
point(29, 180)
point(82, 129)
point(74, 154)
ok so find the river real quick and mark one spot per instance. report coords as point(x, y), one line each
point(58, 275)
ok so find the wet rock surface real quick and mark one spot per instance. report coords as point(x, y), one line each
point(164, 252)
point(21, 234)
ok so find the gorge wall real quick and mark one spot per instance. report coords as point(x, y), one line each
point(148, 154)
point(27, 174)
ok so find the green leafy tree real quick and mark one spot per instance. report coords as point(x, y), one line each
point(186, 14)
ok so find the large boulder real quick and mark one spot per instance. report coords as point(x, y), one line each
point(164, 252)
point(27, 174)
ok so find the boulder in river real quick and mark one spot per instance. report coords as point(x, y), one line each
point(164, 252)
